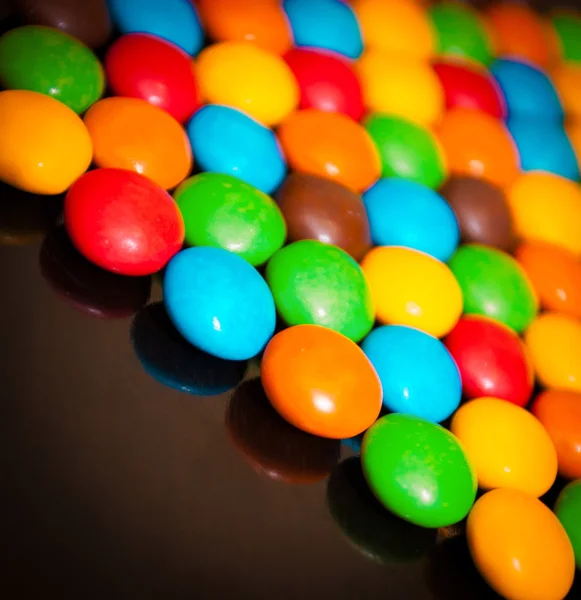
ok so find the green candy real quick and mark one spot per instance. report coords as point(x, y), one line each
point(45, 60)
point(493, 284)
point(225, 212)
point(568, 29)
point(418, 470)
point(460, 32)
point(568, 511)
point(320, 284)
point(407, 150)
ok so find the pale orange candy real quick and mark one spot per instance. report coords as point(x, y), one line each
point(567, 81)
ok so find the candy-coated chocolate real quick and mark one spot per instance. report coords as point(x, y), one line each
point(408, 214)
point(44, 145)
point(123, 222)
point(573, 129)
point(321, 382)
point(418, 470)
point(319, 209)
point(330, 145)
point(567, 31)
point(243, 76)
point(567, 509)
point(46, 60)
point(224, 212)
point(494, 285)
point(566, 78)
point(407, 150)
point(508, 446)
point(519, 546)
point(327, 81)
point(314, 283)
point(418, 375)
point(554, 343)
point(145, 66)
point(130, 133)
point(226, 140)
point(219, 302)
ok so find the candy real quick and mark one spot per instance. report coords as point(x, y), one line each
point(567, 31)
point(333, 391)
point(567, 509)
point(320, 284)
point(567, 81)
point(219, 302)
point(418, 470)
point(520, 547)
point(408, 214)
point(224, 212)
point(418, 375)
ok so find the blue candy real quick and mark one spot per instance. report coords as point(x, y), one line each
point(418, 374)
point(219, 302)
point(173, 20)
point(226, 140)
point(406, 213)
point(328, 24)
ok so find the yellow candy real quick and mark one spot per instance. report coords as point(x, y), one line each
point(507, 445)
point(412, 288)
point(567, 81)
point(244, 76)
point(554, 344)
point(44, 145)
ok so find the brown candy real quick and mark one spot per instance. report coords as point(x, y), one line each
point(319, 209)
point(482, 212)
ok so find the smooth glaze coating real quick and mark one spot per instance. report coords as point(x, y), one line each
point(566, 26)
point(567, 509)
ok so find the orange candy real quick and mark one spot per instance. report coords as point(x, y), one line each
point(321, 382)
point(573, 129)
point(478, 145)
point(330, 145)
point(567, 81)
point(129, 133)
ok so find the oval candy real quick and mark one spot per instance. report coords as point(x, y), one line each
point(567, 510)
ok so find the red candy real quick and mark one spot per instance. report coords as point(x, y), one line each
point(144, 66)
point(123, 222)
point(470, 86)
point(492, 360)
point(327, 82)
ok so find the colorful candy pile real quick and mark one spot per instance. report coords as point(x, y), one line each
point(399, 183)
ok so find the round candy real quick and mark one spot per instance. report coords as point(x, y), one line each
point(567, 31)
point(470, 86)
point(175, 21)
point(330, 145)
point(520, 547)
point(528, 91)
point(407, 150)
point(567, 81)
point(401, 86)
point(123, 222)
point(321, 382)
point(224, 212)
point(327, 24)
point(320, 284)
point(129, 133)
point(412, 288)
point(418, 470)
point(555, 274)
point(494, 285)
point(478, 145)
point(326, 81)
point(319, 209)
point(405, 213)
point(225, 140)
point(45, 60)
point(144, 66)
point(547, 208)
point(567, 509)
point(554, 343)
point(417, 373)
point(573, 129)
point(508, 446)
point(219, 302)
point(560, 414)
point(482, 212)
point(44, 145)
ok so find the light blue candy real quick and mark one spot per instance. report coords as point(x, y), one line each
point(528, 91)
point(219, 302)
point(418, 375)
point(406, 213)
point(328, 24)
point(173, 20)
point(226, 140)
